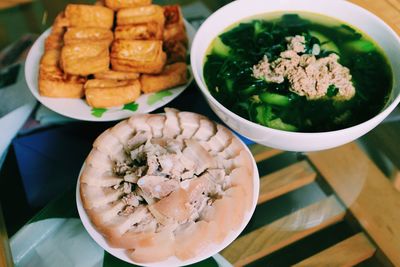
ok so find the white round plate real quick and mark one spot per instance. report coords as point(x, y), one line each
point(79, 109)
point(172, 261)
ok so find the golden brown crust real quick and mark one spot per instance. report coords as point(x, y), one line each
point(89, 16)
point(99, 83)
point(140, 15)
point(144, 56)
point(78, 35)
point(117, 75)
point(55, 39)
point(50, 60)
point(85, 58)
point(99, 3)
point(148, 31)
point(109, 93)
point(173, 15)
point(172, 75)
point(130, 65)
point(174, 35)
point(60, 22)
point(57, 86)
point(176, 51)
point(118, 4)
point(174, 25)
point(140, 50)
point(53, 82)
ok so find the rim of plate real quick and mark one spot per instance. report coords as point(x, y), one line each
point(172, 261)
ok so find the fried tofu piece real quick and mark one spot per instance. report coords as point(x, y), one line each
point(53, 82)
point(173, 15)
point(60, 24)
point(110, 93)
point(148, 31)
point(174, 35)
point(174, 25)
point(85, 58)
point(99, 3)
point(55, 39)
point(60, 85)
point(141, 15)
point(143, 56)
point(118, 4)
point(116, 75)
point(89, 16)
point(176, 51)
point(50, 60)
point(172, 75)
point(78, 35)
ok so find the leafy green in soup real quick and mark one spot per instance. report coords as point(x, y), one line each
point(298, 72)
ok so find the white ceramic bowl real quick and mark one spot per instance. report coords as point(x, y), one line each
point(296, 141)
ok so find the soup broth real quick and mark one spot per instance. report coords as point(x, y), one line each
point(229, 72)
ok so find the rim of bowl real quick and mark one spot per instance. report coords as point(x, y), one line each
point(203, 87)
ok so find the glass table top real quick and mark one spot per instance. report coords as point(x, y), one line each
point(311, 205)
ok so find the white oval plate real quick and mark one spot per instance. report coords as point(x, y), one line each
point(79, 109)
point(212, 249)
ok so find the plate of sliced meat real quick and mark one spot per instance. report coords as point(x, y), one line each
point(167, 189)
point(104, 63)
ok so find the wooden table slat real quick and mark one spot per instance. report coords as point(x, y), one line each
point(384, 139)
point(261, 152)
point(285, 180)
point(349, 252)
point(284, 231)
point(367, 193)
point(387, 10)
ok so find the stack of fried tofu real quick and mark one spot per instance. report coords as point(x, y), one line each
point(113, 51)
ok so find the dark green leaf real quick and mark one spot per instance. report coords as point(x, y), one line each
point(332, 91)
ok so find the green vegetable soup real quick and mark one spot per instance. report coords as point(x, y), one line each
point(298, 72)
